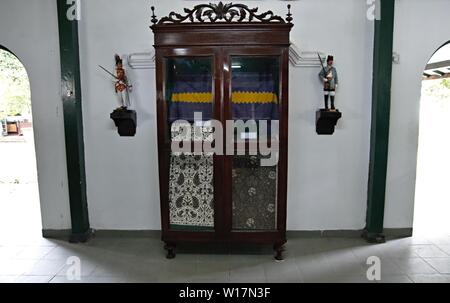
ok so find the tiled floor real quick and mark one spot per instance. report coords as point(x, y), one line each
point(105, 260)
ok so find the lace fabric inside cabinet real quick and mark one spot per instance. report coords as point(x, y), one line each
point(215, 68)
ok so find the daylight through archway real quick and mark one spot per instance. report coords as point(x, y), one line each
point(432, 205)
point(19, 196)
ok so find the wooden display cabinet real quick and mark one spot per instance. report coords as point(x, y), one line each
point(228, 63)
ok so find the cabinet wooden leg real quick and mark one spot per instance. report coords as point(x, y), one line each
point(170, 250)
point(278, 248)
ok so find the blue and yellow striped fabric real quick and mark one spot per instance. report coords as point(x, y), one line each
point(253, 97)
point(191, 94)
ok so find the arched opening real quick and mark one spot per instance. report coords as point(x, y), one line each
point(20, 217)
point(432, 205)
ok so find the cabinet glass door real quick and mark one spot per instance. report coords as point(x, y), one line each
point(255, 95)
point(189, 103)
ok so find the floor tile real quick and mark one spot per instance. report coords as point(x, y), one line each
point(314, 267)
point(395, 279)
point(364, 252)
point(59, 279)
point(10, 251)
point(442, 265)
point(212, 258)
point(340, 279)
point(429, 278)
point(400, 252)
point(15, 267)
point(140, 260)
point(65, 252)
point(140, 279)
point(390, 267)
point(442, 240)
point(177, 272)
point(34, 252)
point(445, 248)
point(248, 274)
point(414, 266)
point(104, 269)
point(33, 279)
point(146, 269)
point(45, 268)
point(219, 276)
point(86, 268)
point(282, 272)
point(429, 251)
point(8, 279)
point(417, 240)
point(345, 263)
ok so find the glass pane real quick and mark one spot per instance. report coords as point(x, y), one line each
point(254, 194)
point(191, 177)
point(191, 192)
point(255, 92)
point(189, 88)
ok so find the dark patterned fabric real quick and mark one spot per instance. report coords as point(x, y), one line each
point(191, 192)
point(254, 194)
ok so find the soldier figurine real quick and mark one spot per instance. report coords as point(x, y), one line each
point(124, 118)
point(122, 86)
point(328, 75)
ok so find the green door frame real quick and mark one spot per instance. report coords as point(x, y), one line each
point(381, 104)
point(73, 123)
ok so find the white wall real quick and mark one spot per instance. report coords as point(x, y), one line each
point(122, 173)
point(30, 30)
point(327, 174)
point(415, 39)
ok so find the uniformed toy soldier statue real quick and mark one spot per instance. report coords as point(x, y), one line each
point(124, 118)
point(122, 86)
point(328, 75)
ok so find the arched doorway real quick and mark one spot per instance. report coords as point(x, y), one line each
point(20, 217)
point(432, 205)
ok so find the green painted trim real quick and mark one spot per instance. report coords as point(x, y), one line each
point(73, 121)
point(381, 104)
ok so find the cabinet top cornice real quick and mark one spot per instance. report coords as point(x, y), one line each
point(221, 13)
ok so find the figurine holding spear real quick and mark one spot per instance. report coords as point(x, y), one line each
point(121, 85)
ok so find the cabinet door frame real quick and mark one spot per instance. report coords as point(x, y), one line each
point(258, 51)
point(164, 143)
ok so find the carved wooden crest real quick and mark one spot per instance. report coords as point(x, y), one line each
point(221, 13)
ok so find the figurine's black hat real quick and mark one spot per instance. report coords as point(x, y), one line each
point(118, 59)
point(330, 58)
